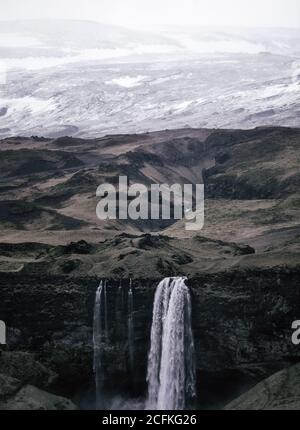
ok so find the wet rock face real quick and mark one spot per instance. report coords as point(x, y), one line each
point(241, 323)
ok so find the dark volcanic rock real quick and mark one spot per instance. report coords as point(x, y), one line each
point(148, 241)
point(67, 141)
point(31, 398)
point(25, 368)
point(229, 247)
point(279, 392)
point(8, 386)
point(81, 247)
point(28, 161)
point(241, 322)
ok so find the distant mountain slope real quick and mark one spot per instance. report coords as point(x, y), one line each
point(280, 41)
point(74, 34)
point(80, 34)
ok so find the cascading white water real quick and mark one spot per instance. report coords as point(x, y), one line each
point(171, 365)
point(105, 312)
point(100, 336)
point(130, 327)
point(119, 310)
point(97, 340)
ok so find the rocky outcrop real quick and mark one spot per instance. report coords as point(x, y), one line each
point(25, 368)
point(8, 386)
point(279, 392)
point(16, 394)
point(126, 255)
point(31, 398)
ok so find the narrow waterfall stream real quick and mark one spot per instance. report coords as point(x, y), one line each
point(101, 339)
point(97, 341)
point(171, 361)
point(105, 313)
point(100, 336)
point(130, 328)
point(119, 311)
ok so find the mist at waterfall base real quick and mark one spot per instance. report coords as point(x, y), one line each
point(171, 372)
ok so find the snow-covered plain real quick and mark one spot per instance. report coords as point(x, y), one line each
point(85, 79)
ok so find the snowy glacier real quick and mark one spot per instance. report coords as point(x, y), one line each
point(87, 80)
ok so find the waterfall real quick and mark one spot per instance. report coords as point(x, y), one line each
point(119, 312)
point(97, 340)
point(130, 327)
point(171, 366)
point(100, 337)
point(105, 312)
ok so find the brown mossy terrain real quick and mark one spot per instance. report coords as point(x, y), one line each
point(48, 195)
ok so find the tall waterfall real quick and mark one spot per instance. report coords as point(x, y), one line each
point(97, 340)
point(171, 365)
point(100, 336)
point(130, 327)
point(105, 312)
point(119, 311)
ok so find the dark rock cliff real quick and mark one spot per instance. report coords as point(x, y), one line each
point(241, 322)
